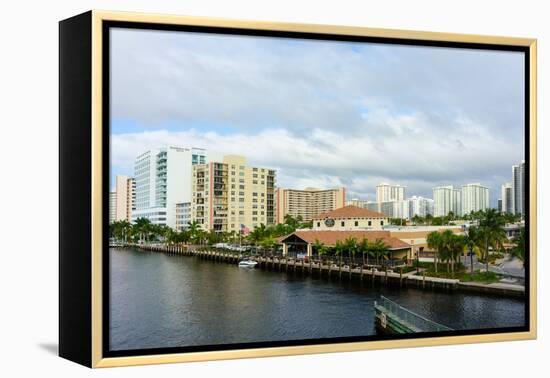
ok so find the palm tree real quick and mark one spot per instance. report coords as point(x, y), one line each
point(456, 248)
point(379, 249)
point(269, 242)
point(364, 247)
point(491, 224)
point(350, 244)
point(471, 241)
point(435, 242)
point(339, 249)
point(429, 218)
point(518, 250)
point(319, 246)
point(143, 227)
point(193, 228)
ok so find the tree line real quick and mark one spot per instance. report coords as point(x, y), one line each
point(143, 231)
point(485, 234)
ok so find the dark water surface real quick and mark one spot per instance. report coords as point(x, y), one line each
point(160, 301)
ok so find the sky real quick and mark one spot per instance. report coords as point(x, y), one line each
point(323, 114)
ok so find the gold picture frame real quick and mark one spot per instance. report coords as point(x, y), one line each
point(91, 24)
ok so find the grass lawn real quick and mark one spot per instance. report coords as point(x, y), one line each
point(460, 272)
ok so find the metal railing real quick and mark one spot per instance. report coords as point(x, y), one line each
point(409, 318)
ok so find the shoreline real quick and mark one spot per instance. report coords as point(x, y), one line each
point(334, 271)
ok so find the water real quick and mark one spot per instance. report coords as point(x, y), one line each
point(160, 301)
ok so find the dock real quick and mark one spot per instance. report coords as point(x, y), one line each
point(391, 318)
point(330, 270)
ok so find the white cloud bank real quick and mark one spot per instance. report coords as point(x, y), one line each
point(323, 114)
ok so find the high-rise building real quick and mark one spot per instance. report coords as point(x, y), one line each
point(183, 215)
point(112, 207)
point(231, 196)
point(447, 199)
point(395, 209)
point(507, 198)
point(475, 197)
point(386, 192)
point(163, 178)
point(420, 206)
point(125, 198)
point(370, 205)
point(499, 206)
point(307, 203)
point(518, 188)
point(357, 203)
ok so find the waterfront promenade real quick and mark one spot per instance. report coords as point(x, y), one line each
point(333, 270)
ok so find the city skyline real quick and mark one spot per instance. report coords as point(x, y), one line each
point(345, 122)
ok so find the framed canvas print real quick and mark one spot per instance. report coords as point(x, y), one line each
point(234, 189)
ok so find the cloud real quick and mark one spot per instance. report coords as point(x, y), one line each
point(330, 159)
point(321, 113)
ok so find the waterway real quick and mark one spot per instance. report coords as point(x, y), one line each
point(159, 300)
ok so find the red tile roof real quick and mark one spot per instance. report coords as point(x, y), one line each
point(329, 238)
point(350, 211)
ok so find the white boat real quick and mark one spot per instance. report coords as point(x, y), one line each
point(247, 264)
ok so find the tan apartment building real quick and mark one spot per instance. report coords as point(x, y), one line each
point(350, 218)
point(231, 196)
point(307, 203)
point(125, 198)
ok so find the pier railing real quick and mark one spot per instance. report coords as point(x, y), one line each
point(408, 318)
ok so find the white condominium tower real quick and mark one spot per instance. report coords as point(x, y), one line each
point(386, 192)
point(364, 204)
point(507, 198)
point(229, 195)
point(420, 206)
point(125, 198)
point(475, 197)
point(164, 179)
point(307, 203)
point(446, 199)
point(518, 188)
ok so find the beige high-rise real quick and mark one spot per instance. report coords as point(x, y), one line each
point(307, 203)
point(125, 198)
point(231, 196)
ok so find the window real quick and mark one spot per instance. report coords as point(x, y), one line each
point(356, 223)
point(255, 181)
point(370, 223)
point(318, 224)
point(254, 194)
point(342, 223)
point(381, 223)
point(241, 186)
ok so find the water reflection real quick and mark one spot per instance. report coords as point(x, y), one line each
point(160, 300)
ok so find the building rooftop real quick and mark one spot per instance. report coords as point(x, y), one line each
point(350, 211)
point(329, 238)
